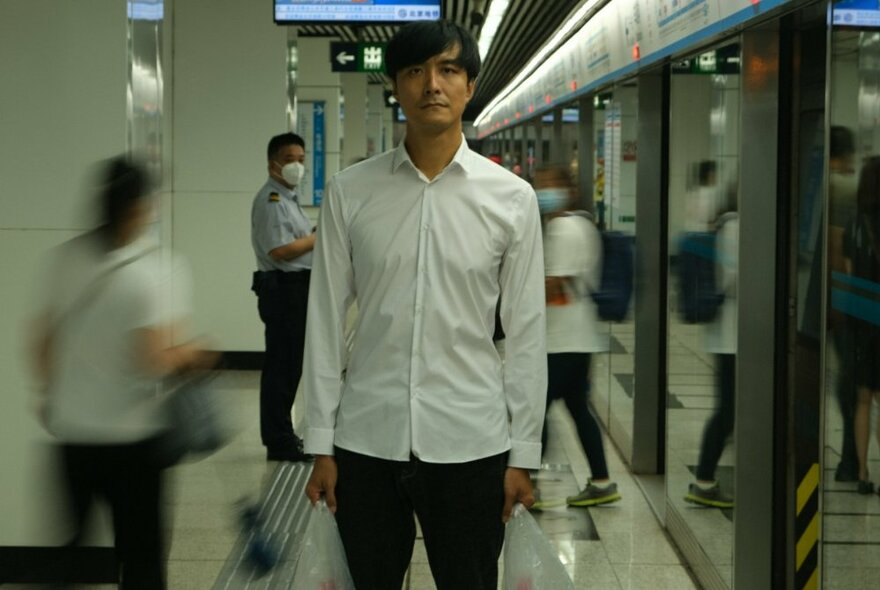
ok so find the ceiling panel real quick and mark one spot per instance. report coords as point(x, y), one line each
point(527, 24)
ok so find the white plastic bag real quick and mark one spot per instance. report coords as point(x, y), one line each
point(322, 564)
point(530, 561)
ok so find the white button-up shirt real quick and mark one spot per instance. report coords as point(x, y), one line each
point(426, 261)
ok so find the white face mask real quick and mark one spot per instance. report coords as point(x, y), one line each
point(292, 173)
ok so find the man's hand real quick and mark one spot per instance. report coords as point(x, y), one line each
point(517, 488)
point(322, 482)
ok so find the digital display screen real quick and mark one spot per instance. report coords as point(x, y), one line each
point(146, 9)
point(568, 116)
point(355, 11)
point(856, 13)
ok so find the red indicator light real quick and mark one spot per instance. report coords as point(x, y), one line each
point(531, 108)
point(574, 85)
point(637, 53)
point(518, 114)
point(755, 2)
point(506, 120)
point(547, 99)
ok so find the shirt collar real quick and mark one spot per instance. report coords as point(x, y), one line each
point(283, 190)
point(462, 157)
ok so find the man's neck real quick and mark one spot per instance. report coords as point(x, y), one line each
point(431, 153)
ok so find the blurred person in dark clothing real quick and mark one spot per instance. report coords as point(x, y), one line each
point(861, 251)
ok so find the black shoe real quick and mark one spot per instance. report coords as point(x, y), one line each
point(846, 473)
point(865, 487)
point(294, 455)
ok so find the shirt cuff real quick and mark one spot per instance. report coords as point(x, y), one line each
point(319, 441)
point(524, 455)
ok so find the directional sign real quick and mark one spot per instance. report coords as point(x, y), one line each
point(357, 57)
point(343, 57)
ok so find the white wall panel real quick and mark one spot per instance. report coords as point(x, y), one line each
point(26, 499)
point(230, 94)
point(213, 232)
point(62, 105)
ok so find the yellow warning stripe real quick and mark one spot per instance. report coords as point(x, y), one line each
point(813, 582)
point(807, 486)
point(807, 541)
point(810, 536)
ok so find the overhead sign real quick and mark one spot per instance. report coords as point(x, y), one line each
point(357, 57)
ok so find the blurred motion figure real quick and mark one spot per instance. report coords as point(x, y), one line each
point(102, 341)
point(861, 250)
point(572, 269)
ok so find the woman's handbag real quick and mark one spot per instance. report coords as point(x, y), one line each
point(196, 424)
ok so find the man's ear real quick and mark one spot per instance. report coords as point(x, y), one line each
point(471, 86)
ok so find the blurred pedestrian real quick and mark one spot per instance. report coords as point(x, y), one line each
point(572, 269)
point(102, 343)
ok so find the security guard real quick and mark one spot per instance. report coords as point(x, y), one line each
point(283, 238)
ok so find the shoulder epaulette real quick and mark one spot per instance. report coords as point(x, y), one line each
point(274, 197)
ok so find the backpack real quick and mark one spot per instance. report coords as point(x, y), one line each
point(616, 283)
point(698, 296)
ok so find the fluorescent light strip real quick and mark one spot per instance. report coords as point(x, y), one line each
point(497, 10)
point(538, 58)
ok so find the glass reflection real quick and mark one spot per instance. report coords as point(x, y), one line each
point(852, 352)
point(702, 339)
point(614, 192)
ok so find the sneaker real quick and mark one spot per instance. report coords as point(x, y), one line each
point(865, 487)
point(713, 496)
point(593, 495)
point(542, 504)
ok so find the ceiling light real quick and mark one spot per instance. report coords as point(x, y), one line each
point(547, 49)
point(497, 10)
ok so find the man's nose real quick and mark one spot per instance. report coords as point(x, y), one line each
point(431, 79)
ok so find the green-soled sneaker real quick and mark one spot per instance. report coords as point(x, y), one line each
point(593, 495)
point(712, 497)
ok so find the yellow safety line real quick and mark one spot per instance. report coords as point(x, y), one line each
point(808, 484)
point(807, 540)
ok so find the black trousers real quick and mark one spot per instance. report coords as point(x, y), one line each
point(568, 378)
point(458, 506)
point(846, 389)
point(283, 300)
point(720, 425)
point(129, 478)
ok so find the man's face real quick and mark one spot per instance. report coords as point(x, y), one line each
point(434, 94)
point(286, 155)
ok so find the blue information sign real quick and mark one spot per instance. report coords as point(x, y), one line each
point(318, 159)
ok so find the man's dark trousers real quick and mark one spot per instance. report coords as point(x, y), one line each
point(459, 509)
point(283, 300)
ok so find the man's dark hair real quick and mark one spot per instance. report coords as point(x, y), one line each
point(419, 41)
point(843, 142)
point(282, 141)
point(123, 183)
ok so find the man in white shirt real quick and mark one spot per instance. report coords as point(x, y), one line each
point(427, 420)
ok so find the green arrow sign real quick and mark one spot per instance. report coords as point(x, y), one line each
point(357, 57)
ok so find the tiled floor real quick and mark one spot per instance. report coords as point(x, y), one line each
point(632, 550)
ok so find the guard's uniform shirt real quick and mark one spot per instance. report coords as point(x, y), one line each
point(276, 220)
